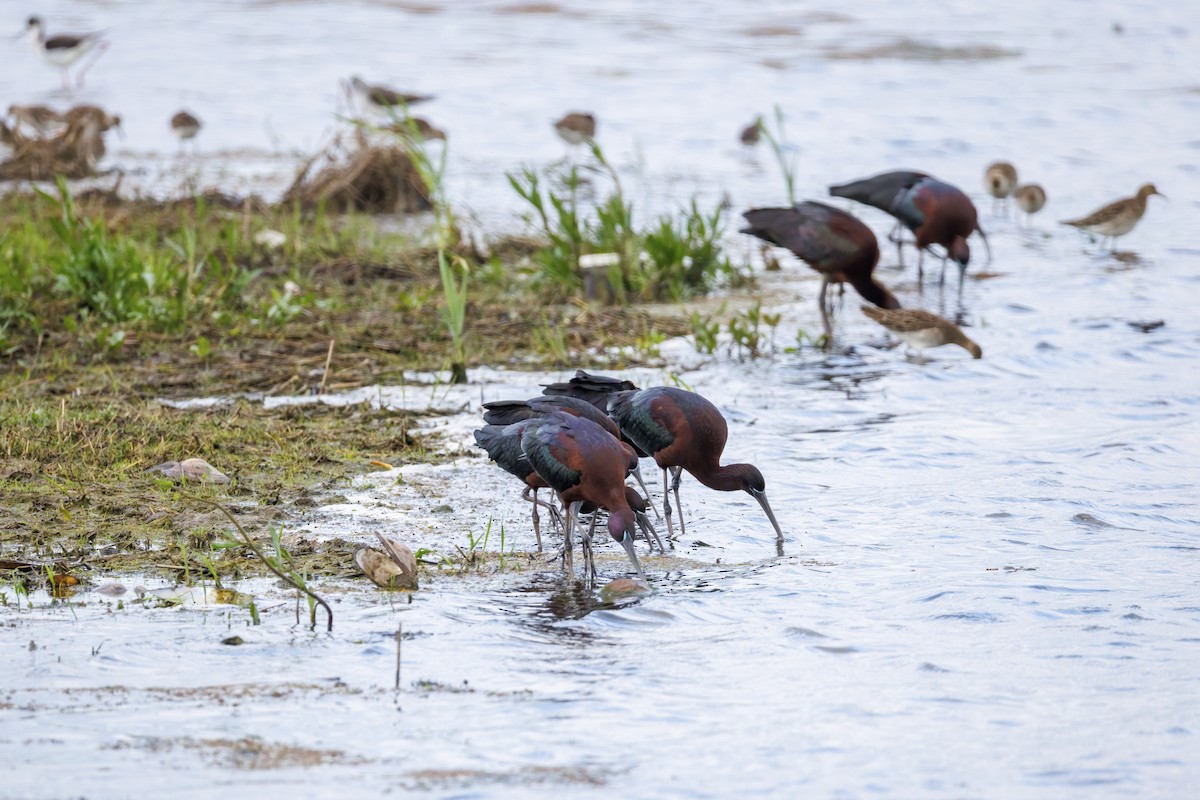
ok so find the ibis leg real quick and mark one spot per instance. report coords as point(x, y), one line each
point(824, 322)
point(678, 472)
point(667, 505)
point(637, 474)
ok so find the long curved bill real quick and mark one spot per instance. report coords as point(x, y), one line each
point(627, 543)
point(761, 497)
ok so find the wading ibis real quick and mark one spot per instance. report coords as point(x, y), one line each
point(879, 191)
point(941, 214)
point(829, 240)
point(583, 463)
point(683, 431)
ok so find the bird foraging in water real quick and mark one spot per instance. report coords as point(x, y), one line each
point(507, 412)
point(829, 240)
point(583, 463)
point(64, 49)
point(503, 445)
point(920, 329)
point(940, 214)
point(42, 120)
point(576, 128)
point(683, 431)
point(752, 133)
point(185, 126)
point(1117, 218)
point(382, 99)
point(1000, 179)
point(880, 191)
point(1031, 198)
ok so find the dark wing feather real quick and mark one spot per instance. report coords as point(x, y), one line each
point(879, 190)
point(506, 412)
point(539, 444)
point(576, 407)
point(805, 230)
point(503, 445)
point(633, 413)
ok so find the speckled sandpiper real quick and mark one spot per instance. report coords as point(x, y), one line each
point(64, 49)
point(1031, 198)
point(1000, 178)
point(42, 120)
point(185, 126)
point(385, 100)
point(1117, 218)
point(921, 329)
point(576, 128)
point(751, 134)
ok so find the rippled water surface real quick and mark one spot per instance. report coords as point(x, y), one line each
point(990, 586)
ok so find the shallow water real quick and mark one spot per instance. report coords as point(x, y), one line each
point(990, 584)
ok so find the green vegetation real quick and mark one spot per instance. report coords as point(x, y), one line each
point(675, 257)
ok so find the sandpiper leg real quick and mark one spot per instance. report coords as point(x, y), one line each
point(921, 267)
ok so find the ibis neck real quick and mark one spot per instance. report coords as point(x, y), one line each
point(873, 291)
point(724, 479)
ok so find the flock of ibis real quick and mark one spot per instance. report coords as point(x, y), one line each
point(581, 439)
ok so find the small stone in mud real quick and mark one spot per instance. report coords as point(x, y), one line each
point(111, 589)
point(233, 641)
point(620, 589)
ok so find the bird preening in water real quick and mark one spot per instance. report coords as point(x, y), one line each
point(829, 240)
point(1117, 218)
point(683, 431)
point(920, 329)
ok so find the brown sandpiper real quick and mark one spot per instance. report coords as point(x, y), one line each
point(1117, 218)
point(920, 329)
point(185, 126)
point(1031, 198)
point(42, 120)
point(1000, 178)
point(576, 128)
point(383, 99)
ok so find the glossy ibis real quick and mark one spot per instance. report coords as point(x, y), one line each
point(506, 412)
point(583, 463)
point(941, 214)
point(920, 329)
point(595, 389)
point(683, 431)
point(1000, 179)
point(503, 445)
point(879, 191)
point(829, 240)
point(1031, 198)
point(1117, 218)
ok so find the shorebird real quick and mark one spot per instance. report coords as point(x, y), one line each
point(576, 128)
point(829, 240)
point(385, 100)
point(185, 126)
point(920, 329)
point(64, 49)
point(1031, 198)
point(417, 127)
point(42, 120)
point(1117, 218)
point(1000, 178)
point(751, 133)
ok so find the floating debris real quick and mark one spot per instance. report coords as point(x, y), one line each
point(196, 470)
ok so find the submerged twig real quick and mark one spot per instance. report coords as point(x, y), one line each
point(283, 576)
